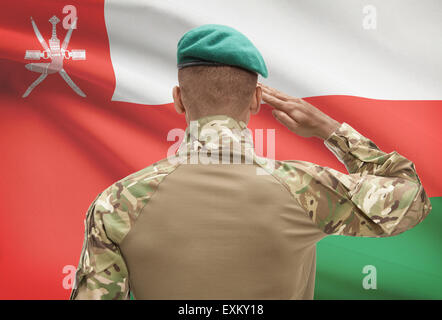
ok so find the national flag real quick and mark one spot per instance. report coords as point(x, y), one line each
point(107, 110)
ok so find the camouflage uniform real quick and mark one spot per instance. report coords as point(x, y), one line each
point(381, 196)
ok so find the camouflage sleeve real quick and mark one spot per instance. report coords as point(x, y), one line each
point(381, 196)
point(102, 273)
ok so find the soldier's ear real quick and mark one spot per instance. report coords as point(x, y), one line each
point(178, 103)
point(255, 104)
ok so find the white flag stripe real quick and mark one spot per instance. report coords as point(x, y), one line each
point(311, 47)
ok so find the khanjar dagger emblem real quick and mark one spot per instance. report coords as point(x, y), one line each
point(54, 52)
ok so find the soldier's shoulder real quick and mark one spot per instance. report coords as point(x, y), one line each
point(120, 204)
point(158, 169)
point(142, 178)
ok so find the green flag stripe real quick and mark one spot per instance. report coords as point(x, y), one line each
point(408, 266)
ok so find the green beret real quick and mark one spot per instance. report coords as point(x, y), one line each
point(215, 44)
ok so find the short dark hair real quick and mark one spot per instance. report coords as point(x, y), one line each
point(212, 89)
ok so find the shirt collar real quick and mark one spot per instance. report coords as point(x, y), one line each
point(216, 132)
point(217, 136)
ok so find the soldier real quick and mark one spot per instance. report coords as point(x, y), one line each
point(204, 230)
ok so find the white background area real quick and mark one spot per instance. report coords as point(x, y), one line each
point(311, 47)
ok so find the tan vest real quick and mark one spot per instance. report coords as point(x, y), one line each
point(221, 232)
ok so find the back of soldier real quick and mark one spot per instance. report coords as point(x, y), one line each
point(208, 229)
point(221, 231)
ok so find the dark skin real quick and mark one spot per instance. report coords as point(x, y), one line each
point(296, 114)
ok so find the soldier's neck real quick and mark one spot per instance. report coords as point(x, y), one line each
point(193, 117)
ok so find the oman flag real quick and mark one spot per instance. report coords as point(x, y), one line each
point(85, 100)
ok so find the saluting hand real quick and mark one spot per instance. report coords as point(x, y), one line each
point(298, 115)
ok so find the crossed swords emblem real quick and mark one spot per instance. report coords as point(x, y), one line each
point(54, 52)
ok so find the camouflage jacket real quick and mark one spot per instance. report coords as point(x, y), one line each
point(380, 196)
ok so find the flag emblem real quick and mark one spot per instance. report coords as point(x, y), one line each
point(57, 55)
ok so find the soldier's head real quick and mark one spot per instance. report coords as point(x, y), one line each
point(218, 69)
point(206, 90)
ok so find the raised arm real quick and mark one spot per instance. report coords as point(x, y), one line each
point(381, 196)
